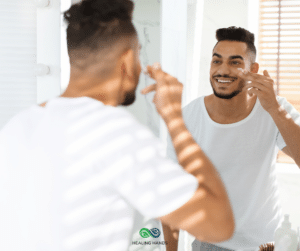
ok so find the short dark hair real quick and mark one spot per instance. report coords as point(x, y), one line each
point(237, 34)
point(98, 24)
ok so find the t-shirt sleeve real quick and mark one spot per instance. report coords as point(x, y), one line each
point(151, 183)
point(295, 116)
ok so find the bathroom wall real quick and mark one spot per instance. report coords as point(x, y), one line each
point(18, 45)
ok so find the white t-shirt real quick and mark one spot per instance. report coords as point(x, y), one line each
point(244, 154)
point(73, 174)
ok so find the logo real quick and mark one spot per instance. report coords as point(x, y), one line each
point(146, 233)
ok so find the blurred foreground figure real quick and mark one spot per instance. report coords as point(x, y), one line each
point(74, 170)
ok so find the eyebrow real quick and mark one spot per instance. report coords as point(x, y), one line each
point(236, 56)
point(231, 57)
point(217, 55)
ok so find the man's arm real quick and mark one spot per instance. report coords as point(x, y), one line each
point(171, 236)
point(289, 131)
point(208, 214)
point(263, 87)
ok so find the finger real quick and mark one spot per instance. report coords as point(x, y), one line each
point(255, 91)
point(256, 85)
point(148, 89)
point(250, 76)
point(266, 73)
point(149, 71)
point(254, 77)
point(250, 93)
point(155, 71)
point(261, 84)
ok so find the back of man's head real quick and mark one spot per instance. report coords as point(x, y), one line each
point(99, 30)
point(239, 35)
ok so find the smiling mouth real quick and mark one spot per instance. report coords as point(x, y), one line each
point(225, 80)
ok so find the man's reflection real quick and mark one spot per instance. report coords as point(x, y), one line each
point(239, 127)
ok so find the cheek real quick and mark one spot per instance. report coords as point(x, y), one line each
point(139, 66)
point(212, 70)
point(138, 71)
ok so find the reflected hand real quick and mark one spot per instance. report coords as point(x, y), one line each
point(262, 86)
point(168, 92)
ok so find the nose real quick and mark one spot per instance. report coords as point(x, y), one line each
point(223, 70)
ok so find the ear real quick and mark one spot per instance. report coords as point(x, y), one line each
point(127, 64)
point(254, 68)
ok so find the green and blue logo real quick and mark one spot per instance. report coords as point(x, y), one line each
point(146, 233)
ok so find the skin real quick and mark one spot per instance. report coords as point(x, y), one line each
point(227, 58)
point(231, 60)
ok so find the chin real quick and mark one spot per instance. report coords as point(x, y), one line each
point(225, 95)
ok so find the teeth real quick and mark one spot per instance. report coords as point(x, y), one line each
point(224, 81)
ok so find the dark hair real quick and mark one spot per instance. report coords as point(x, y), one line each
point(237, 34)
point(98, 24)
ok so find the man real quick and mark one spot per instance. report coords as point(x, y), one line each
point(75, 169)
point(239, 127)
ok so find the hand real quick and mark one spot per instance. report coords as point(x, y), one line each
point(263, 87)
point(167, 98)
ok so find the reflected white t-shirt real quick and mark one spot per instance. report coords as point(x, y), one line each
point(244, 153)
point(73, 174)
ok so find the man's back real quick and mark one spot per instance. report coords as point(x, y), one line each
point(74, 173)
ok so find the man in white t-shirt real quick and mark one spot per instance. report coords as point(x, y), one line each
point(75, 170)
point(240, 127)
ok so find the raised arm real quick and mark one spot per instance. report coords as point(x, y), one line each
point(207, 215)
point(263, 87)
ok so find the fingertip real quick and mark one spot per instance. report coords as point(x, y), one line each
point(156, 66)
point(266, 73)
point(143, 91)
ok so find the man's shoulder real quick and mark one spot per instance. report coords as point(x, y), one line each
point(20, 118)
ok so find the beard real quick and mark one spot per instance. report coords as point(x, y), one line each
point(239, 89)
point(129, 98)
point(130, 95)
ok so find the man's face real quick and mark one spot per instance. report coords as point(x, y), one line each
point(130, 95)
point(228, 56)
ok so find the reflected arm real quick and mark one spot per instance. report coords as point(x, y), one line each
point(290, 132)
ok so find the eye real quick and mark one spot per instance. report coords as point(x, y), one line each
point(216, 61)
point(235, 62)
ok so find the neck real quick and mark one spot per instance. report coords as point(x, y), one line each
point(229, 110)
point(105, 91)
